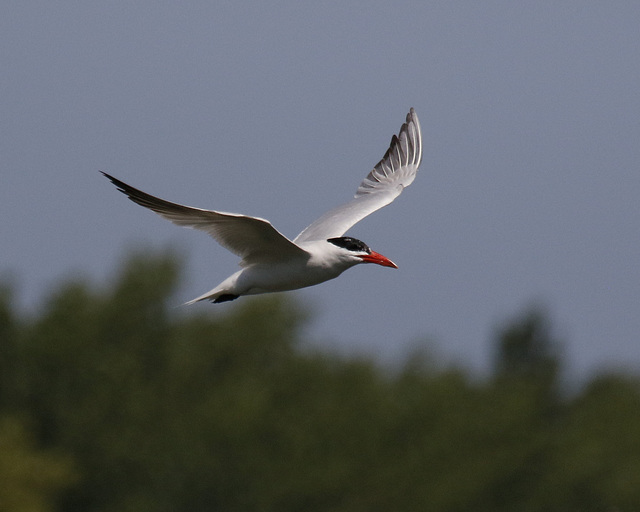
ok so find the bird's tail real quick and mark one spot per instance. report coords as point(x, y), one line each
point(216, 296)
point(220, 293)
point(225, 291)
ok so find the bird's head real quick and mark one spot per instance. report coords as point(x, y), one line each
point(355, 251)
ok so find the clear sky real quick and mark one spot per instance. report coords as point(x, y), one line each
point(529, 190)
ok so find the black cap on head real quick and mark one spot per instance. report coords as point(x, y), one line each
point(350, 244)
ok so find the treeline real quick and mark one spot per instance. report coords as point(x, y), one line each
point(114, 400)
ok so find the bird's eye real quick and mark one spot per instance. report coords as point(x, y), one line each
point(350, 244)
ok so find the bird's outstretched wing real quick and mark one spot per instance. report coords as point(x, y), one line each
point(385, 182)
point(255, 240)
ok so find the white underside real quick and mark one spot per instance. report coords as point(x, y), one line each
point(280, 277)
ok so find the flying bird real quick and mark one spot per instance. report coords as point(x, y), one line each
point(273, 263)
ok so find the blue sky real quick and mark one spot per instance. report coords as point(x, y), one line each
point(528, 191)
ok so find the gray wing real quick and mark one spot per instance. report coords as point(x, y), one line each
point(383, 184)
point(255, 240)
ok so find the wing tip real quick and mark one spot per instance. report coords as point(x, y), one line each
point(120, 185)
point(404, 150)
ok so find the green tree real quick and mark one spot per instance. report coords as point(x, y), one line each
point(597, 456)
point(114, 400)
point(30, 477)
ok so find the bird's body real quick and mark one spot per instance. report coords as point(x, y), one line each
point(294, 273)
point(273, 263)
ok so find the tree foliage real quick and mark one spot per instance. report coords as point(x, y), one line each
point(114, 400)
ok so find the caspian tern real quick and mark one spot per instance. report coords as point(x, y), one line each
point(270, 261)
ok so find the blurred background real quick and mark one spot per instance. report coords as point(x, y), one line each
point(495, 369)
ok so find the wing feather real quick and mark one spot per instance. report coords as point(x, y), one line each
point(255, 240)
point(383, 184)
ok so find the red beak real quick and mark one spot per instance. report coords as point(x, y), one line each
point(378, 259)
